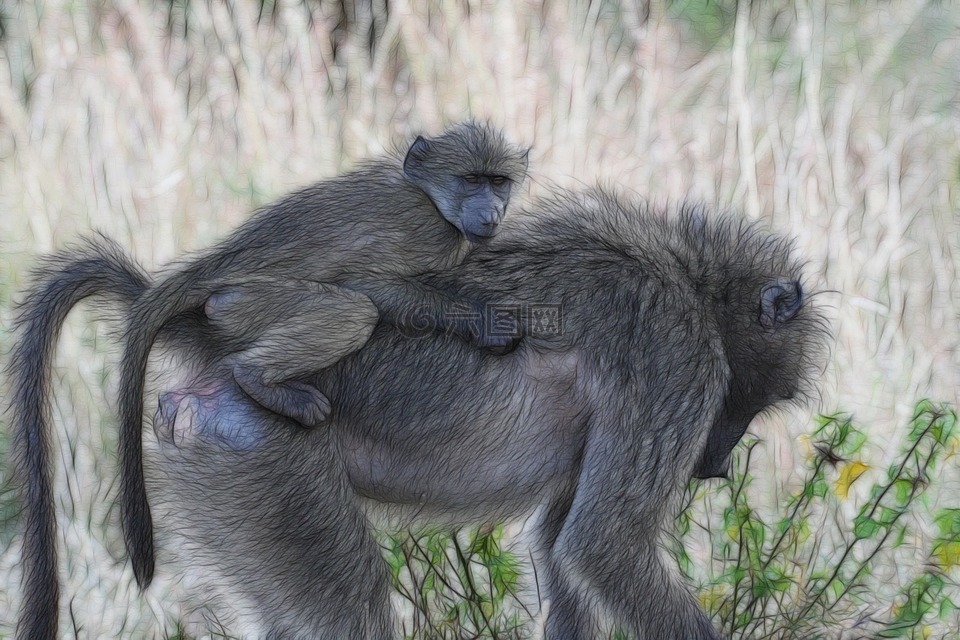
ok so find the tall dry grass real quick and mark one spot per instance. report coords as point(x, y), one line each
point(163, 124)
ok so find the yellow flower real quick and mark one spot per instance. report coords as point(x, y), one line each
point(948, 553)
point(849, 473)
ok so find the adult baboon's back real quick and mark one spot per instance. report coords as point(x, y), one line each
point(676, 331)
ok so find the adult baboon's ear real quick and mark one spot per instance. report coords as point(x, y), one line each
point(779, 302)
point(416, 155)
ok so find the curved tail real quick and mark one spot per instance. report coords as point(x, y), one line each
point(98, 267)
point(176, 294)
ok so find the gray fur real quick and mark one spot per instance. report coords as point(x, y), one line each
point(672, 341)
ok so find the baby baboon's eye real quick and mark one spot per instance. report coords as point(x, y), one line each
point(498, 180)
point(472, 178)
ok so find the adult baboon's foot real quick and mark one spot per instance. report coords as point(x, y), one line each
point(299, 401)
point(215, 412)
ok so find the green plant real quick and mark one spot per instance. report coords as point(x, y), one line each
point(811, 566)
point(458, 585)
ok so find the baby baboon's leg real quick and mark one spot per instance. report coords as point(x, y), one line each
point(315, 326)
point(300, 401)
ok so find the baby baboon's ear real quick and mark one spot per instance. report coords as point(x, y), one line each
point(416, 155)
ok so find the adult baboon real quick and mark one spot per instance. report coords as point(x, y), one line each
point(299, 285)
point(674, 333)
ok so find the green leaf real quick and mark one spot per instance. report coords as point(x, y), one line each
point(900, 536)
point(902, 489)
point(948, 522)
point(947, 607)
point(887, 516)
point(855, 442)
point(819, 488)
point(865, 528)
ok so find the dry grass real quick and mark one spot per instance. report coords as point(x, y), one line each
point(838, 124)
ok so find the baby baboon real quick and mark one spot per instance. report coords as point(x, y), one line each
point(296, 287)
point(283, 311)
point(375, 226)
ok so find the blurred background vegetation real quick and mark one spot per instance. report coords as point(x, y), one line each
point(165, 123)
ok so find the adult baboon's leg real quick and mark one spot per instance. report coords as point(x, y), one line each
point(640, 452)
point(607, 554)
point(276, 529)
point(569, 612)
